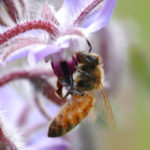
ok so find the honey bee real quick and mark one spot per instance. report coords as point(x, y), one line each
point(89, 78)
point(65, 79)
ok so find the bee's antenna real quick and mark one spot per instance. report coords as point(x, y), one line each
point(89, 44)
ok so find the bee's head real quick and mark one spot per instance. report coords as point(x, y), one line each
point(88, 58)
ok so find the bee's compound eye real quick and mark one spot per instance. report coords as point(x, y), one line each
point(92, 60)
point(87, 59)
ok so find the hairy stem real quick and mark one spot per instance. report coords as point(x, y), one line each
point(41, 109)
point(29, 25)
point(47, 90)
point(22, 75)
point(5, 143)
point(38, 79)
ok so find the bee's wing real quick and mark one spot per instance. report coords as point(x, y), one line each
point(93, 113)
point(104, 107)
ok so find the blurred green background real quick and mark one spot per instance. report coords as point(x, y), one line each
point(133, 132)
point(138, 11)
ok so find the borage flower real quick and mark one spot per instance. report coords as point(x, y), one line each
point(61, 34)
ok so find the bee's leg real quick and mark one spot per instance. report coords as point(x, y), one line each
point(78, 92)
point(73, 91)
point(65, 96)
point(63, 82)
point(70, 88)
point(60, 83)
point(59, 89)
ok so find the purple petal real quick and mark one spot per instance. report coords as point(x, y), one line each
point(99, 19)
point(16, 55)
point(66, 10)
point(2, 28)
point(1, 63)
point(45, 143)
point(51, 109)
point(35, 56)
point(71, 9)
point(11, 103)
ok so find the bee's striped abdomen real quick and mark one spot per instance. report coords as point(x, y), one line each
point(73, 112)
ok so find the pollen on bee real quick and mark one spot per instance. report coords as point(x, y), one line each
point(70, 116)
point(79, 110)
